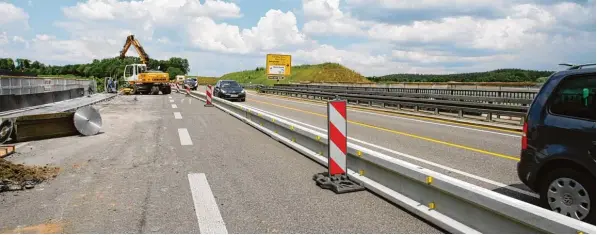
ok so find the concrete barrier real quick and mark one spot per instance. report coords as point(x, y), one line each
point(12, 102)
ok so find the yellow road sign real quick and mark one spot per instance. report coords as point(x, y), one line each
point(276, 64)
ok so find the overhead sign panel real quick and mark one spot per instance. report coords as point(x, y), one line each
point(278, 65)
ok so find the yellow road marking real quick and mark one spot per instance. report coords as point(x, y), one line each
point(402, 133)
point(389, 113)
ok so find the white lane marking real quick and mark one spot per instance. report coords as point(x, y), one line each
point(171, 101)
point(206, 208)
point(185, 138)
point(169, 97)
point(181, 101)
point(174, 106)
point(190, 100)
point(479, 178)
point(397, 117)
point(21, 145)
point(177, 115)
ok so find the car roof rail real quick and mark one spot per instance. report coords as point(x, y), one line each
point(577, 66)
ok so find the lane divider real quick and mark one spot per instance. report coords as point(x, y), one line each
point(404, 134)
point(394, 113)
point(404, 155)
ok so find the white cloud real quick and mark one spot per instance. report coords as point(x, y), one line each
point(426, 56)
point(18, 39)
point(154, 11)
point(274, 30)
point(464, 35)
point(10, 13)
point(325, 17)
point(425, 4)
point(13, 19)
point(3, 38)
point(164, 40)
point(44, 37)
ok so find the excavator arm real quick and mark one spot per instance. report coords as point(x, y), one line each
point(130, 40)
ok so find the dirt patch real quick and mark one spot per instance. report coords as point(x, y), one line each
point(45, 228)
point(13, 175)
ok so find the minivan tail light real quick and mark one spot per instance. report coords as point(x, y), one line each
point(523, 140)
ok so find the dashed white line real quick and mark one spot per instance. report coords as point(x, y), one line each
point(169, 97)
point(185, 138)
point(171, 101)
point(177, 115)
point(206, 208)
point(181, 101)
point(174, 106)
point(479, 178)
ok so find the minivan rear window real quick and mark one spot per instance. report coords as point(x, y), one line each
point(575, 97)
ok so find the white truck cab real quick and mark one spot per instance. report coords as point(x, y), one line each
point(132, 71)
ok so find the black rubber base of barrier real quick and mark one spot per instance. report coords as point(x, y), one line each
point(337, 183)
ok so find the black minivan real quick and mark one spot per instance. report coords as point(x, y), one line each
point(558, 144)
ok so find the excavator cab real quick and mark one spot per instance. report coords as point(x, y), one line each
point(132, 71)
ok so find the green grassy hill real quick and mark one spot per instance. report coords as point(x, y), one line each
point(326, 72)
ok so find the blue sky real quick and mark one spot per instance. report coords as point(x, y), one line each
point(373, 37)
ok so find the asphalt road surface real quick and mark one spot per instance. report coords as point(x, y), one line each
point(167, 164)
point(483, 156)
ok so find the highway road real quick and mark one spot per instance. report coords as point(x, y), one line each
point(167, 164)
point(480, 155)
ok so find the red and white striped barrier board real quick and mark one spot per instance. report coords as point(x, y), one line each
point(188, 89)
point(208, 92)
point(337, 137)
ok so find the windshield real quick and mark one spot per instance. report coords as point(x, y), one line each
point(230, 84)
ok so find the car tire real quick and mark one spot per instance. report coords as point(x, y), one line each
point(568, 178)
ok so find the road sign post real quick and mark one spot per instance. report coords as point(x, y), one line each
point(336, 178)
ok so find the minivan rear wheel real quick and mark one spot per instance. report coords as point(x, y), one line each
point(571, 193)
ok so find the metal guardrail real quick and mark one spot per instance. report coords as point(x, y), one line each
point(415, 103)
point(421, 95)
point(452, 204)
point(496, 93)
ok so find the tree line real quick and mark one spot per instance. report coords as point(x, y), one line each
point(500, 75)
point(109, 67)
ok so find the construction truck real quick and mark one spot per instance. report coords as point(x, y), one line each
point(180, 79)
point(141, 80)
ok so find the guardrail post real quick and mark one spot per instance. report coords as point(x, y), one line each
point(489, 116)
point(336, 178)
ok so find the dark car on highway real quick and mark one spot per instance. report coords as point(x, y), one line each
point(192, 83)
point(230, 90)
point(558, 144)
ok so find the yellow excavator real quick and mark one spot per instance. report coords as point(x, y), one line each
point(140, 79)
